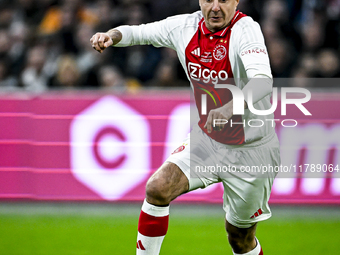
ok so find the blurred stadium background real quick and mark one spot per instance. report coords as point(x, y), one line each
point(72, 173)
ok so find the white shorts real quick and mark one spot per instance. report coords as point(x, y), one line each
point(240, 167)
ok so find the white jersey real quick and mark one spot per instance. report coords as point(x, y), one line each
point(237, 52)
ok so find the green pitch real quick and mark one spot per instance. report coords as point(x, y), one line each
point(111, 229)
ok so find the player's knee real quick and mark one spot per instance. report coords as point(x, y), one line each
point(167, 183)
point(241, 240)
point(238, 243)
point(157, 192)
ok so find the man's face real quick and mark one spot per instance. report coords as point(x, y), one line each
point(218, 13)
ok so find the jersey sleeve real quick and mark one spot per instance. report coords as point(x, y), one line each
point(155, 33)
point(252, 50)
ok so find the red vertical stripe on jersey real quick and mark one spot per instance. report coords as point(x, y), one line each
point(212, 66)
point(152, 226)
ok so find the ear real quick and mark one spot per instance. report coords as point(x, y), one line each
point(237, 2)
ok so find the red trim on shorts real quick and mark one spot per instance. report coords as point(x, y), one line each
point(152, 226)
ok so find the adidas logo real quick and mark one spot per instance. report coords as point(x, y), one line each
point(258, 213)
point(140, 245)
point(196, 52)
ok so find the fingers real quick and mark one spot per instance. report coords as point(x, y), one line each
point(95, 42)
point(100, 41)
point(215, 121)
point(108, 43)
point(208, 124)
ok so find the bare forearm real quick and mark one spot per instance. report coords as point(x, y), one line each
point(115, 35)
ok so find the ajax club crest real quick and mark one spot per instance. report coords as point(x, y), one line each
point(219, 52)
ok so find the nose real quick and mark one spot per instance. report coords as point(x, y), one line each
point(216, 6)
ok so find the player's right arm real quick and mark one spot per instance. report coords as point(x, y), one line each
point(164, 33)
point(100, 41)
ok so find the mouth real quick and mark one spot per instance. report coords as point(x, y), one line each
point(215, 18)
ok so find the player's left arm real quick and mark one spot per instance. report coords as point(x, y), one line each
point(254, 57)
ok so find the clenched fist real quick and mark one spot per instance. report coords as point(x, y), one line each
point(100, 41)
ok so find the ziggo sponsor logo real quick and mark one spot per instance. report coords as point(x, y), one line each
point(197, 73)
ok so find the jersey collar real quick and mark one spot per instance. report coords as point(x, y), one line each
point(222, 32)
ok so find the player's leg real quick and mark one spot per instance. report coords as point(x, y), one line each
point(172, 179)
point(167, 183)
point(243, 240)
point(246, 203)
point(246, 193)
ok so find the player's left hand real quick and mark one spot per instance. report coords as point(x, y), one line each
point(223, 114)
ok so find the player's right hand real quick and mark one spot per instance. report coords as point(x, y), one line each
point(100, 41)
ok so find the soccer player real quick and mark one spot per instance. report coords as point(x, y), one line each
point(216, 46)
